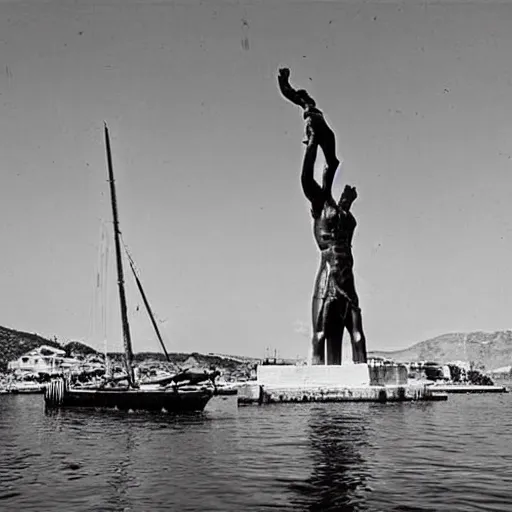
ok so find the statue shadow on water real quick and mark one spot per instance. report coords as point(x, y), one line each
point(339, 479)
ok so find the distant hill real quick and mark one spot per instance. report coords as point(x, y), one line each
point(194, 359)
point(78, 349)
point(13, 344)
point(487, 350)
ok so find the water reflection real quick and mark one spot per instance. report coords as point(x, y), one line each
point(120, 478)
point(125, 458)
point(339, 477)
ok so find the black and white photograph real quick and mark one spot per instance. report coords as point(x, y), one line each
point(255, 255)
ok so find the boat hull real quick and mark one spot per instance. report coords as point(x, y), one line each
point(26, 391)
point(226, 392)
point(26, 388)
point(170, 401)
point(467, 388)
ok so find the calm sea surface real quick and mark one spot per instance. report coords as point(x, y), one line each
point(452, 456)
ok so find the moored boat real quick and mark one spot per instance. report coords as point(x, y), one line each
point(26, 387)
point(226, 388)
point(466, 388)
point(180, 393)
point(60, 394)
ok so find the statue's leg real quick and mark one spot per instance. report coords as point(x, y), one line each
point(327, 142)
point(308, 132)
point(354, 323)
point(317, 310)
point(333, 321)
point(317, 314)
point(318, 348)
point(311, 188)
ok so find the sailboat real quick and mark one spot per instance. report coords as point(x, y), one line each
point(187, 391)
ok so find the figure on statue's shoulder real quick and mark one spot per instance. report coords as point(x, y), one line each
point(318, 132)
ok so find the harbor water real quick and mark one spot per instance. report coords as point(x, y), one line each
point(425, 456)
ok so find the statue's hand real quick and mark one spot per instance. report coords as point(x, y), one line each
point(284, 73)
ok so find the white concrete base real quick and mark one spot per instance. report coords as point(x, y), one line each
point(253, 393)
point(311, 376)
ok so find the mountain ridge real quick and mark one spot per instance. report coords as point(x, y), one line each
point(486, 350)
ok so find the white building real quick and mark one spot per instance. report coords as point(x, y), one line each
point(464, 365)
point(44, 359)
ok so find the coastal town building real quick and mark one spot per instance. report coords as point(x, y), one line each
point(43, 359)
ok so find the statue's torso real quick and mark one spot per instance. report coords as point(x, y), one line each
point(333, 231)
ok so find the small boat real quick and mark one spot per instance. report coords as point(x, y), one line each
point(467, 388)
point(26, 387)
point(180, 393)
point(226, 388)
point(227, 391)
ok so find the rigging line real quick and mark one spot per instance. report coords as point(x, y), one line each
point(145, 300)
point(128, 254)
point(95, 316)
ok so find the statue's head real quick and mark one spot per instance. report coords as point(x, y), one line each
point(306, 98)
point(348, 196)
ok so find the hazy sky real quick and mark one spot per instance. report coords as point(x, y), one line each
point(207, 157)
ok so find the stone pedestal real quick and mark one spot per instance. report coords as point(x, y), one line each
point(313, 376)
point(333, 383)
point(385, 374)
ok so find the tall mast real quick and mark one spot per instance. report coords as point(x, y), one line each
point(128, 352)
